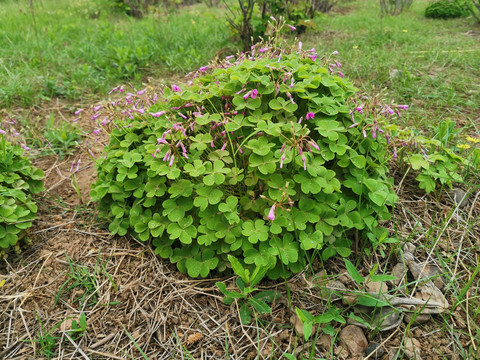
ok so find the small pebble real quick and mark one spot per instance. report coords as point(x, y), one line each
point(373, 346)
point(460, 197)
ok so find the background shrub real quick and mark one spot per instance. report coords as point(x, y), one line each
point(473, 7)
point(445, 9)
point(394, 7)
point(261, 157)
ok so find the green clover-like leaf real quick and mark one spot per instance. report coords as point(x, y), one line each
point(286, 249)
point(255, 231)
point(260, 146)
point(215, 173)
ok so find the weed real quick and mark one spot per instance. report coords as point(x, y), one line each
point(86, 280)
point(46, 340)
point(61, 140)
point(246, 283)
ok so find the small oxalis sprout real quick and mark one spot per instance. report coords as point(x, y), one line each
point(268, 156)
point(246, 282)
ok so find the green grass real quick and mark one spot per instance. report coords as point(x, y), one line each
point(77, 50)
point(433, 65)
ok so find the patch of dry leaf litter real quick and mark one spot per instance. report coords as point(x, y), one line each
point(139, 301)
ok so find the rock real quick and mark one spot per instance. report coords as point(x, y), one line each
point(345, 279)
point(297, 323)
point(387, 319)
point(418, 319)
point(432, 271)
point(330, 290)
point(67, 324)
point(430, 293)
point(333, 290)
point(319, 279)
point(350, 299)
point(382, 319)
point(400, 272)
point(374, 347)
point(325, 342)
point(409, 247)
point(412, 349)
point(354, 340)
point(377, 287)
point(460, 197)
point(393, 355)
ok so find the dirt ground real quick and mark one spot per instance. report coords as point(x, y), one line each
point(138, 306)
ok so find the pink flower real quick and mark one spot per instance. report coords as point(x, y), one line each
point(310, 115)
point(167, 156)
point(314, 144)
point(335, 52)
point(96, 131)
point(141, 92)
point(96, 108)
point(394, 152)
point(2, 132)
point(158, 114)
point(175, 88)
point(282, 159)
point(171, 160)
point(254, 94)
point(403, 107)
point(247, 95)
point(271, 214)
point(291, 27)
point(340, 74)
point(313, 57)
point(78, 112)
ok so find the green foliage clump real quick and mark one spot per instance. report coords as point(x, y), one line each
point(59, 139)
point(19, 179)
point(446, 9)
point(446, 159)
point(260, 157)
